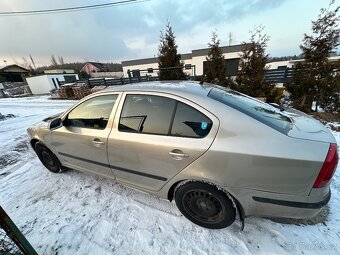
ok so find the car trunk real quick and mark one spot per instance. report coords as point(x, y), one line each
point(308, 128)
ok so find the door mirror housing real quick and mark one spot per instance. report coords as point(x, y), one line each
point(56, 123)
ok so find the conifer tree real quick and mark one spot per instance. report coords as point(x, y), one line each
point(317, 79)
point(168, 57)
point(215, 62)
point(251, 77)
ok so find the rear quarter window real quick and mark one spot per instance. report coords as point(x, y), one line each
point(189, 122)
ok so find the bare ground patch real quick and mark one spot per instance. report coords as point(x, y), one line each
point(14, 155)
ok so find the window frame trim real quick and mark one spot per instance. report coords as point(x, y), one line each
point(166, 95)
point(110, 122)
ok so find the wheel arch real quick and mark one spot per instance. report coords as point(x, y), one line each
point(33, 142)
point(238, 205)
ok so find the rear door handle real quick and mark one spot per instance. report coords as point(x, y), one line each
point(178, 154)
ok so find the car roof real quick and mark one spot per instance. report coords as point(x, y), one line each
point(173, 87)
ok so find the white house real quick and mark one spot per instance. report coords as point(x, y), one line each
point(196, 57)
point(291, 63)
point(43, 84)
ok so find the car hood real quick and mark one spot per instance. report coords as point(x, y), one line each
point(308, 128)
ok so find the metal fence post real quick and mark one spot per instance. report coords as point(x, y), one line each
point(14, 234)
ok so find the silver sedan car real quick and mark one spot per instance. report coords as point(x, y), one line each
point(216, 152)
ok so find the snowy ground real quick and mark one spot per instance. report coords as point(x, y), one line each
point(77, 213)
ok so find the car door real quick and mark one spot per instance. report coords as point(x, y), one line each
point(157, 135)
point(81, 142)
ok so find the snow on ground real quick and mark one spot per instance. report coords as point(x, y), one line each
point(77, 213)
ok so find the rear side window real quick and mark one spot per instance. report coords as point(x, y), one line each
point(93, 113)
point(189, 122)
point(256, 109)
point(147, 114)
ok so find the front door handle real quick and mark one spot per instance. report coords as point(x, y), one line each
point(97, 142)
point(178, 154)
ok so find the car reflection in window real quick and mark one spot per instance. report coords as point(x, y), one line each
point(132, 123)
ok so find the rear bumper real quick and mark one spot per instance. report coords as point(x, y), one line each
point(303, 205)
point(266, 204)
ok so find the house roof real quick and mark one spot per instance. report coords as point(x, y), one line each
point(225, 49)
point(100, 66)
point(6, 69)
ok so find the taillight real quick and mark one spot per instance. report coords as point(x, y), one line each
point(328, 167)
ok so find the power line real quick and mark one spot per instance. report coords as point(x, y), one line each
point(70, 9)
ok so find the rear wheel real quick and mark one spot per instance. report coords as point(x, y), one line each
point(47, 158)
point(205, 205)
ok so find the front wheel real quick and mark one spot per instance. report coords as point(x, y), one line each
point(205, 205)
point(46, 156)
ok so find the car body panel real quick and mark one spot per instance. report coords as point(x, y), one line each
point(306, 127)
point(131, 154)
point(77, 147)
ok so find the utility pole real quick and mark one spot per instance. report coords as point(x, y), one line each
point(230, 38)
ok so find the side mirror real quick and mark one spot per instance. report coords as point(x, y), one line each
point(56, 123)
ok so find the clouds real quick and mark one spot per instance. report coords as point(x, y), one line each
point(122, 32)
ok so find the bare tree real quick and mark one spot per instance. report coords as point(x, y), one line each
point(33, 63)
point(54, 61)
point(61, 60)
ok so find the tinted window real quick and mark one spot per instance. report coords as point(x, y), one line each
point(189, 122)
point(146, 114)
point(93, 113)
point(256, 109)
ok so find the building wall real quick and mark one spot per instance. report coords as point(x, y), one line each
point(43, 84)
point(291, 63)
point(275, 65)
point(195, 60)
point(198, 61)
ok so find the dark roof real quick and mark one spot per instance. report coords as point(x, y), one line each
point(186, 56)
point(24, 70)
point(100, 66)
point(139, 61)
point(195, 53)
point(225, 49)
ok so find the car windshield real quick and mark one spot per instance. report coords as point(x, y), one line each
point(254, 108)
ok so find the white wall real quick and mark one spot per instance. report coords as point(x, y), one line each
point(197, 61)
point(43, 84)
point(275, 65)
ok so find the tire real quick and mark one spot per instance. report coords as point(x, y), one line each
point(47, 158)
point(205, 205)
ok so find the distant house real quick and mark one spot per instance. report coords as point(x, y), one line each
point(43, 84)
point(197, 58)
point(13, 73)
point(94, 67)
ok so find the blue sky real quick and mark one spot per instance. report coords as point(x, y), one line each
point(132, 31)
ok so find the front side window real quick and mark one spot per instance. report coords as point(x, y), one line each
point(147, 114)
point(93, 113)
point(189, 122)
